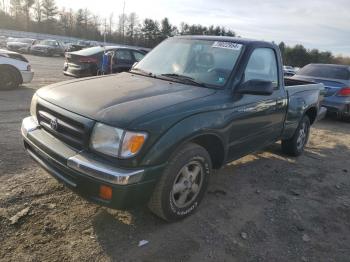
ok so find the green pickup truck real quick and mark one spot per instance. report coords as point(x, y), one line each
point(153, 135)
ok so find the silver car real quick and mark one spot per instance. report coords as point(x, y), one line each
point(21, 45)
point(336, 79)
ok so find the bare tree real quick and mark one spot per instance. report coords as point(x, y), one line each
point(110, 23)
point(3, 6)
point(132, 22)
point(37, 11)
point(49, 9)
point(16, 8)
point(27, 5)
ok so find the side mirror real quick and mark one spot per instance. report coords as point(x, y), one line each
point(256, 87)
point(134, 64)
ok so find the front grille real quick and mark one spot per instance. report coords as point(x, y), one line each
point(66, 129)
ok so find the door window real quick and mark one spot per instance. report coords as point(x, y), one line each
point(262, 65)
point(138, 56)
point(123, 56)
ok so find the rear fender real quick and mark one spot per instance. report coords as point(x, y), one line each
point(299, 104)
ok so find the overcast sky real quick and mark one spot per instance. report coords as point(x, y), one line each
point(322, 24)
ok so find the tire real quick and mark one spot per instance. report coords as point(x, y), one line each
point(295, 145)
point(8, 79)
point(188, 173)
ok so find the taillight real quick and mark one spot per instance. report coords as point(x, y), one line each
point(87, 60)
point(345, 91)
point(29, 68)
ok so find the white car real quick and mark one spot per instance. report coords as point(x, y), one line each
point(14, 70)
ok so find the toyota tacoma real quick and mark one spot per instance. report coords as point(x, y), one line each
point(153, 135)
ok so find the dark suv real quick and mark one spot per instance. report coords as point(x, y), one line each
point(89, 61)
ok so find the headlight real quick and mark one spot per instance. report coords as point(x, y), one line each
point(33, 105)
point(115, 141)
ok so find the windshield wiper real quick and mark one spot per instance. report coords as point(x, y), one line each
point(184, 78)
point(144, 72)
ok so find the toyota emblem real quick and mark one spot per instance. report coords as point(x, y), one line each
point(54, 124)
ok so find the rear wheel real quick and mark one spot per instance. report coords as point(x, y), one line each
point(295, 145)
point(183, 184)
point(8, 79)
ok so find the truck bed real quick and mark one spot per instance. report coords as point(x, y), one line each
point(294, 86)
point(301, 95)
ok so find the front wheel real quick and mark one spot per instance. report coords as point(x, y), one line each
point(8, 79)
point(295, 145)
point(183, 184)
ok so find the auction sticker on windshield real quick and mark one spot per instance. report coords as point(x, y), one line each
point(227, 45)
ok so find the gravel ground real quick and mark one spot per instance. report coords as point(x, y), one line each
point(263, 207)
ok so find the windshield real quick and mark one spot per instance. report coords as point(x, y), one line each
point(326, 71)
point(201, 61)
point(49, 42)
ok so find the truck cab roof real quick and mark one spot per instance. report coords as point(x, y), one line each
point(238, 40)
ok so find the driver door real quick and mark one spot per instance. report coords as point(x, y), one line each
point(258, 119)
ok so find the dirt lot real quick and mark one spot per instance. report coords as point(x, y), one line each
point(264, 207)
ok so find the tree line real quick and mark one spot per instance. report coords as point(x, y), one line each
point(43, 16)
point(299, 56)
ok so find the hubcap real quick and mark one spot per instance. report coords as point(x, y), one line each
point(6, 80)
point(187, 184)
point(302, 136)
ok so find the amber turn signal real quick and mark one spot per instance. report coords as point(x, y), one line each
point(136, 143)
point(105, 192)
point(132, 144)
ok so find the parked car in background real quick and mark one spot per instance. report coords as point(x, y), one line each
point(3, 41)
point(48, 48)
point(14, 70)
point(336, 79)
point(289, 71)
point(22, 45)
point(88, 62)
point(80, 45)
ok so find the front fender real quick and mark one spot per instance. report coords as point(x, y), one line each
point(184, 131)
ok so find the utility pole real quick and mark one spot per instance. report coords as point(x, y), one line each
point(104, 35)
point(123, 22)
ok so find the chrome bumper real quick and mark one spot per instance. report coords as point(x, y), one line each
point(27, 76)
point(86, 165)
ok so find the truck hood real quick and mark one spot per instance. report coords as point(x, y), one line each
point(119, 99)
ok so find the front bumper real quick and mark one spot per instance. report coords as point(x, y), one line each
point(84, 173)
point(27, 76)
